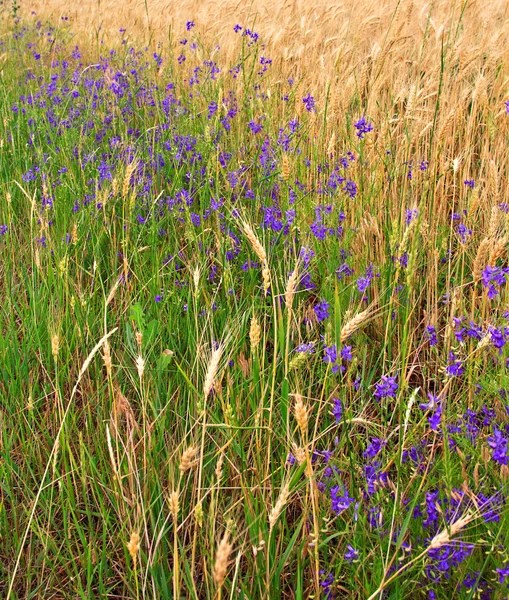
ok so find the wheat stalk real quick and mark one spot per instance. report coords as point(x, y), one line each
point(354, 324)
point(221, 564)
point(280, 504)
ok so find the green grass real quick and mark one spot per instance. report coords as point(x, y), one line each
point(91, 453)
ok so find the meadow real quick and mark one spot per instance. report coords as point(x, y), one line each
point(254, 319)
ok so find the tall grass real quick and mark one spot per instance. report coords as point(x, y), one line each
point(254, 320)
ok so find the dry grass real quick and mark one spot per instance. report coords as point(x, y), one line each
point(383, 56)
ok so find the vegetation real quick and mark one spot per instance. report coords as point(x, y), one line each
point(254, 316)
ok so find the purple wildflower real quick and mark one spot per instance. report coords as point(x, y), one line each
point(503, 573)
point(432, 335)
point(306, 348)
point(326, 583)
point(337, 409)
point(346, 353)
point(331, 356)
point(411, 214)
point(351, 554)
point(435, 418)
point(499, 446)
point(322, 311)
point(455, 368)
point(494, 276)
point(464, 232)
point(362, 127)
point(374, 448)
point(340, 499)
point(386, 387)
point(254, 127)
point(431, 404)
point(309, 102)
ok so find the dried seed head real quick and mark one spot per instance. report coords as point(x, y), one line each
point(55, 345)
point(412, 95)
point(299, 453)
point(131, 168)
point(113, 290)
point(219, 468)
point(474, 202)
point(280, 504)
point(196, 278)
point(443, 130)
point(291, 286)
point(285, 170)
point(301, 414)
point(221, 565)
point(481, 258)
point(504, 473)
point(173, 502)
point(484, 341)
point(123, 409)
point(139, 338)
point(255, 242)
point(212, 370)
point(476, 475)
point(198, 514)
point(354, 324)
point(188, 460)
point(133, 545)
point(140, 366)
point(498, 250)
point(107, 357)
point(485, 454)
point(444, 537)
point(493, 179)
point(255, 333)
point(494, 222)
point(266, 277)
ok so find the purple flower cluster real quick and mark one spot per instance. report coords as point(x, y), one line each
point(499, 445)
point(411, 214)
point(340, 499)
point(493, 278)
point(455, 367)
point(321, 311)
point(309, 102)
point(434, 405)
point(386, 387)
point(362, 126)
point(432, 335)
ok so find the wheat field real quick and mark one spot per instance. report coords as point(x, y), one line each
point(254, 323)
